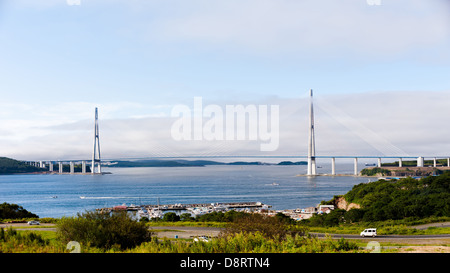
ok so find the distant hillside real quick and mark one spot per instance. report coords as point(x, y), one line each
point(151, 163)
point(293, 163)
point(11, 166)
point(188, 163)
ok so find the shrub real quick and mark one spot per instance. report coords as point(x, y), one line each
point(270, 227)
point(103, 230)
point(13, 241)
point(171, 217)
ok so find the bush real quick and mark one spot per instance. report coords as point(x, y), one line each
point(270, 227)
point(103, 230)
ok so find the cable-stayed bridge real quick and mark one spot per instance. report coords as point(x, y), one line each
point(311, 157)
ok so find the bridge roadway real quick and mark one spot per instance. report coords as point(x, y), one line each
point(420, 160)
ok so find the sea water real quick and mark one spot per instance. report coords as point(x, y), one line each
point(56, 195)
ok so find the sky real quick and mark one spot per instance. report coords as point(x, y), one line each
point(380, 71)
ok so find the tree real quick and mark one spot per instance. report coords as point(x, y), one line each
point(14, 211)
point(171, 217)
point(103, 230)
point(270, 227)
point(186, 217)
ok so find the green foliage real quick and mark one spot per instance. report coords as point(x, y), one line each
point(218, 216)
point(255, 242)
point(171, 217)
point(14, 211)
point(13, 241)
point(10, 166)
point(375, 171)
point(398, 199)
point(186, 217)
point(271, 227)
point(103, 230)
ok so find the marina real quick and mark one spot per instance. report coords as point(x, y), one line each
point(157, 211)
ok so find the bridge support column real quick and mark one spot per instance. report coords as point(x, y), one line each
point(72, 167)
point(60, 167)
point(333, 166)
point(434, 162)
point(379, 162)
point(448, 162)
point(400, 163)
point(420, 161)
point(356, 166)
point(83, 166)
point(50, 166)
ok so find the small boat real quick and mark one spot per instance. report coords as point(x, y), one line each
point(82, 197)
point(370, 164)
point(275, 184)
point(55, 196)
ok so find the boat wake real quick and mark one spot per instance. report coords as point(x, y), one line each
point(108, 197)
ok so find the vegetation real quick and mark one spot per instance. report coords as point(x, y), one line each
point(103, 230)
point(275, 228)
point(251, 243)
point(96, 232)
point(375, 171)
point(11, 166)
point(13, 241)
point(389, 206)
point(392, 200)
point(14, 211)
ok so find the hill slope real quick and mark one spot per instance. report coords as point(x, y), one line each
point(11, 166)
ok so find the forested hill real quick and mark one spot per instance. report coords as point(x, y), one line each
point(390, 200)
point(403, 198)
point(11, 166)
point(407, 197)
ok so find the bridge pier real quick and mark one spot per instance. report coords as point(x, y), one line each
point(420, 161)
point(448, 162)
point(434, 162)
point(50, 166)
point(83, 166)
point(356, 166)
point(72, 167)
point(379, 162)
point(333, 166)
point(60, 169)
point(400, 163)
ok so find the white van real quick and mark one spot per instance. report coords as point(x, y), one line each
point(369, 232)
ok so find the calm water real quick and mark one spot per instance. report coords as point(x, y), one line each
point(173, 185)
